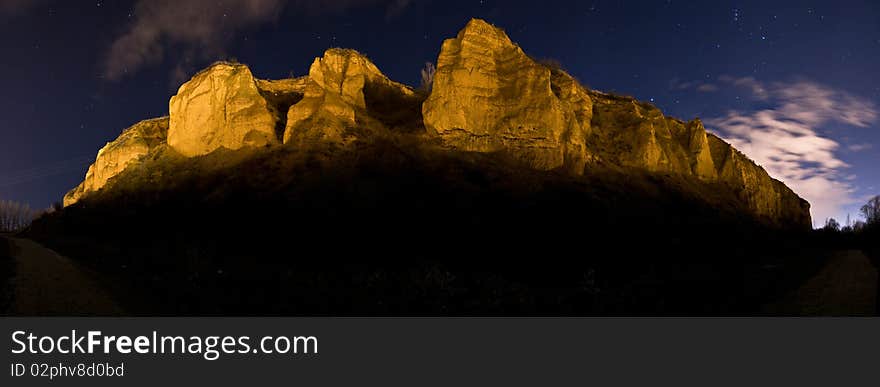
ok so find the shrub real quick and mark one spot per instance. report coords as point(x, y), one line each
point(428, 77)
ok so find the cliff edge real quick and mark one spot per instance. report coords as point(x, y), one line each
point(487, 96)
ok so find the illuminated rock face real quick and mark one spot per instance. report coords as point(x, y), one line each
point(489, 96)
point(334, 97)
point(127, 150)
point(766, 196)
point(634, 134)
point(221, 107)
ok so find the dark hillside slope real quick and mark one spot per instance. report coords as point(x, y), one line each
point(394, 226)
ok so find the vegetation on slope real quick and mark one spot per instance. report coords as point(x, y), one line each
point(396, 226)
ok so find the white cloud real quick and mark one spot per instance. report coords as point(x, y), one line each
point(758, 89)
point(202, 28)
point(707, 88)
point(860, 147)
point(785, 140)
point(704, 87)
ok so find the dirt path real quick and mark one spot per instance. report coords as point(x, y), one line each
point(846, 286)
point(47, 284)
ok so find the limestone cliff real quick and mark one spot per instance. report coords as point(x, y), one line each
point(133, 144)
point(221, 107)
point(487, 96)
point(633, 134)
point(334, 97)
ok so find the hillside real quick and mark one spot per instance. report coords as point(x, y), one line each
point(487, 96)
point(508, 187)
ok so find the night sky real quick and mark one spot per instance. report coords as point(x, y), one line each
point(793, 84)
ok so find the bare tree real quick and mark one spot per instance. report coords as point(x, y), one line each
point(871, 210)
point(15, 216)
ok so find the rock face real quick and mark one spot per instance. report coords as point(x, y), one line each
point(335, 96)
point(128, 149)
point(221, 107)
point(634, 134)
point(766, 196)
point(488, 96)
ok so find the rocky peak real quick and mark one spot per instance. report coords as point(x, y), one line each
point(128, 149)
point(334, 95)
point(479, 30)
point(220, 107)
point(345, 72)
point(489, 96)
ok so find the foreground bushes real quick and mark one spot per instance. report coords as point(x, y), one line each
point(384, 231)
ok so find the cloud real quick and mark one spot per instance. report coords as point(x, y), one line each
point(704, 87)
point(202, 28)
point(860, 147)
point(758, 89)
point(707, 88)
point(785, 140)
point(15, 7)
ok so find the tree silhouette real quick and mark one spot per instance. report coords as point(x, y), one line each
point(832, 225)
point(871, 210)
point(15, 216)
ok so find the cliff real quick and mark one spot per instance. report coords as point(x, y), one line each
point(487, 96)
point(125, 151)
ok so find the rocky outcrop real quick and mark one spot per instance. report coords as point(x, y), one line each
point(334, 97)
point(125, 151)
point(766, 196)
point(221, 107)
point(489, 96)
point(635, 134)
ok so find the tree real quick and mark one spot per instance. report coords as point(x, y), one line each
point(832, 225)
point(871, 210)
point(15, 216)
point(858, 226)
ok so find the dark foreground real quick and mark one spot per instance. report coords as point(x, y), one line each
point(845, 286)
point(384, 231)
point(392, 229)
point(7, 272)
point(47, 284)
